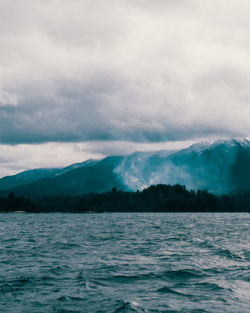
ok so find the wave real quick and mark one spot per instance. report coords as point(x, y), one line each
point(67, 298)
point(229, 254)
point(128, 278)
point(166, 289)
point(208, 271)
point(128, 307)
point(210, 286)
point(184, 274)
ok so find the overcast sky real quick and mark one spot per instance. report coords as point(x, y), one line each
point(87, 78)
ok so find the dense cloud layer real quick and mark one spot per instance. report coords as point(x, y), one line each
point(139, 70)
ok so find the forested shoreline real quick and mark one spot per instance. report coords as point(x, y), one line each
point(156, 198)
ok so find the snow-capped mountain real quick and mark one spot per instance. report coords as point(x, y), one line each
point(219, 167)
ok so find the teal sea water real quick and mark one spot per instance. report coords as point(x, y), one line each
point(124, 263)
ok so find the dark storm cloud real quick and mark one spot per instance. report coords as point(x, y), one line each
point(82, 111)
point(139, 71)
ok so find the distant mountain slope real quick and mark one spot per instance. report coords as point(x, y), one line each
point(26, 177)
point(31, 176)
point(219, 167)
point(96, 176)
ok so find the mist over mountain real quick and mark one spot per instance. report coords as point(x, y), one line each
point(220, 167)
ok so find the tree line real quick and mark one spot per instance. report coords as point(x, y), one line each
point(156, 198)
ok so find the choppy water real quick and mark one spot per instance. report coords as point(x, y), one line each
point(124, 263)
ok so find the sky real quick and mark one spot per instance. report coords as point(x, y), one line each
point(83, 79)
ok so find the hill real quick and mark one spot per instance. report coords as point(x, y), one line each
point(220, 167)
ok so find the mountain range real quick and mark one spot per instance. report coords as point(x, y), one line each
point(220, 167)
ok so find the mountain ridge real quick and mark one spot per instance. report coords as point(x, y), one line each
point(222, 166)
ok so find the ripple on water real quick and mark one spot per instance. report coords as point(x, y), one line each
point(124, 263)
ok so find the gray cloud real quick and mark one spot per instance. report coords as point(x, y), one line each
point(135, 71)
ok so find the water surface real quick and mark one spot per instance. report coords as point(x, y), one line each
point(124, 263)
